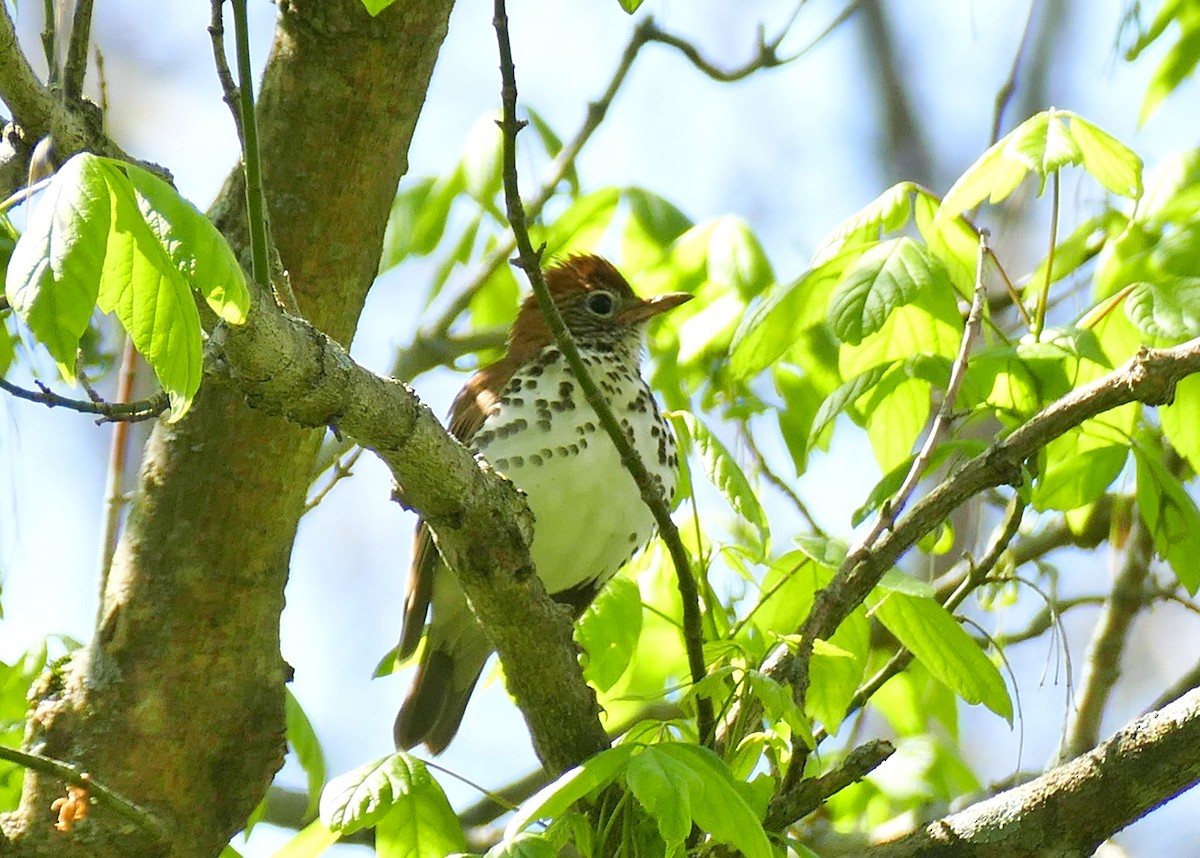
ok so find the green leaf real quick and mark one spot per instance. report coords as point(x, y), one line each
point(1181, 420)
point(896, 413)
point(1078, 469)
point(195, 247)
point(886, 213)
point(423, 827)
point(889, 275)
point(1180, 60)
point(111, 235)
point(993, 177)
point(583, 224)
point(556, 798)
point(725, 473)
point(1110, 162)
point(397, 784)
point(1168, 308)
point(736, 261)
point(845, 395)
point(1171, 517)
point(630, 6)
point(679, 784)
point(608, 632)
point(928, 630)
point(775, 322)
point(526, 845)
point(1043, 143)
point(307, 748)
point(54, 273)
point(481, 160)
point(837, 669)
point(310, 842)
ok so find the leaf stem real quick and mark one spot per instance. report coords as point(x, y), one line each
point(255, 205)
point(1039, 316)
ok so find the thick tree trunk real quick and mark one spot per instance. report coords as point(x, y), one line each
point(178, 701)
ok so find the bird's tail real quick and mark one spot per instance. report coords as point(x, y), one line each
point(434, 708)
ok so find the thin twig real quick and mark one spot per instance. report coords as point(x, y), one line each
point(229, 88)
point(1009, 87)
point(114, 488)
point(71, 774)
point(342, 468)
point(945, 414)
point(787, 807)
point(764, 468)
point(256, 212)
point(530, 260)
point(647, 31)
point(110, 412)
point(75, 66)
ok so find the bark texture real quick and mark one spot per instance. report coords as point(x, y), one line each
point(178, 702)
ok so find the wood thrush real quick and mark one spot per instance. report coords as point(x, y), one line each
point(526, 415)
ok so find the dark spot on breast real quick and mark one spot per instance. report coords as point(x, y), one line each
point(544, 424)
point(535, 460)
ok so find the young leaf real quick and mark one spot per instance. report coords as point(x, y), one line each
point(1109, 161)
point(1169, 309)
point(397, 784)
point(774, 323)
point(54, 273)
point(725, 473)
point(679, 784)
point(421, 828)
point(309, 842)
point(889, 275)
point(1181, 420)
point(307, 748)
point(1171, 517)
point(556, 798)
point(939, 642)
point(608, 632)
point(887, 212)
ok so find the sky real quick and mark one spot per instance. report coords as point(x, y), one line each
point(793, 151)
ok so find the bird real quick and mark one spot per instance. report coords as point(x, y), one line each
point(526, 415)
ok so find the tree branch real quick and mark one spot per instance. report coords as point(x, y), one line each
point(1074, 808)
point(1103, 666)
point(483, 525)
point(110, 412)
point(1148, 377)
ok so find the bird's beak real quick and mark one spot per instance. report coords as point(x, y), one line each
point(650, 307)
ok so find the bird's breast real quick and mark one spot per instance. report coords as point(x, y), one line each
point(542, 434)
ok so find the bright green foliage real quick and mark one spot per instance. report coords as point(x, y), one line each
point(930, 633)
point(397, 796)
point(111, 236)
point(307, 748)
point(1043, 145)
point(1181, 58)
point(608, 633)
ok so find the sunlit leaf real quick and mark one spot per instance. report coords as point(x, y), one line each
point(928, 630)
point(307, 748)
point(1166, 308)
point(775, 322)
point(888, 275)
point(1110, 162)
point(1171, 517)
point(398, 784)
point(726, 474)
point(556, 798)
point(608, 632)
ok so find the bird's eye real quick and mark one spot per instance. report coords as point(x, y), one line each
point(601, 303)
